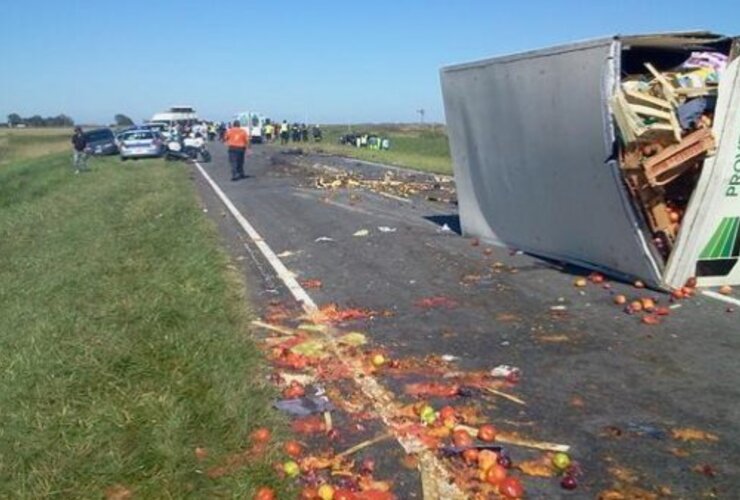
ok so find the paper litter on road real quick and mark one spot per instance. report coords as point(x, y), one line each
point(323, 238)
point(361, 232)
point(285, 254)
point(504, 371)
point(386, 229)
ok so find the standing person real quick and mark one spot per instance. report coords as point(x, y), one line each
point(237, 139)
point(79, 143)
point(284, 132)
point(304, 132)
point(296, 132)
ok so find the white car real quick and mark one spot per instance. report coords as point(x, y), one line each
point(140, 143)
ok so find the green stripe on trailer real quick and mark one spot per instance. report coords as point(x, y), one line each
point(715, 242)
point(730, 240)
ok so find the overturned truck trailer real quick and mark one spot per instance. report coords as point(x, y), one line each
point(620, 154)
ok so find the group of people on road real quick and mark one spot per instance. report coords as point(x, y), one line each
point(298, 132)
point(205, 129)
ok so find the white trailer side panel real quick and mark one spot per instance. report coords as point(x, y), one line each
point(532, 146)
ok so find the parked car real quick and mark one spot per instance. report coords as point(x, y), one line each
point(140, 143)
point(101, 141)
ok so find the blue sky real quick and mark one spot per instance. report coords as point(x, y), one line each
point(321, 61)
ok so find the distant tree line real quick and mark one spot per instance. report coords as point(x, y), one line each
point(14, 119)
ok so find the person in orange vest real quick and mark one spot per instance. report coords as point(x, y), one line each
point(237, 139)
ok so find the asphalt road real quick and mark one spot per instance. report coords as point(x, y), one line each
point(593, 376)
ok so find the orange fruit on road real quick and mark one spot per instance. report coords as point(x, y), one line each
point(496, 474)
point(487, 433)
point(265, 493)
point(293, 448)
point(462, 439)
point(511, 487)
point(261, 435)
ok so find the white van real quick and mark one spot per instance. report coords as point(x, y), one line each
point(254, 124)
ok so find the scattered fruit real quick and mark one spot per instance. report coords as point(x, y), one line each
point(487, 433)
point(486, 459)
point(378, 360)
point(293, 449)
point(462, 439)
point(326, 492)
point(428, 415)
point(620, 300)
point(511, 487)
point(569, 483)
point(580, 282)
point(447, 412)
point(639, 284)
point(651, 319)
point(291, 468)
point(596, 278)
point(662, 311)
point(648, 304)
point(470, 455)
point(725, 290)
point(265, 493)
point(261, 435)
point(294, 391)
point(495, 474)
point(691, 282)
point(343, 494)
point(635, 306)
point(561, 461)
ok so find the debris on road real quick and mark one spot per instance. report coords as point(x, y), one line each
point(507, 372)
point(386, 229)
point(436, 302)
point(361, 232)
point(308, 349)
point(311, 283)
point(438, 189)
point(689, 434)
point(322, 239)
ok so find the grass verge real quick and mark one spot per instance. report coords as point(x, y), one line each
point(123, 337)
point(417, 147)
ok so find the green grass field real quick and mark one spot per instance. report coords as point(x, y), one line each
point(412, 146)
point(16, 144)
point(124, 337)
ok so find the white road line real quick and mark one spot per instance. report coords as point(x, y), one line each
point(283, 273)
point(723, 298)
